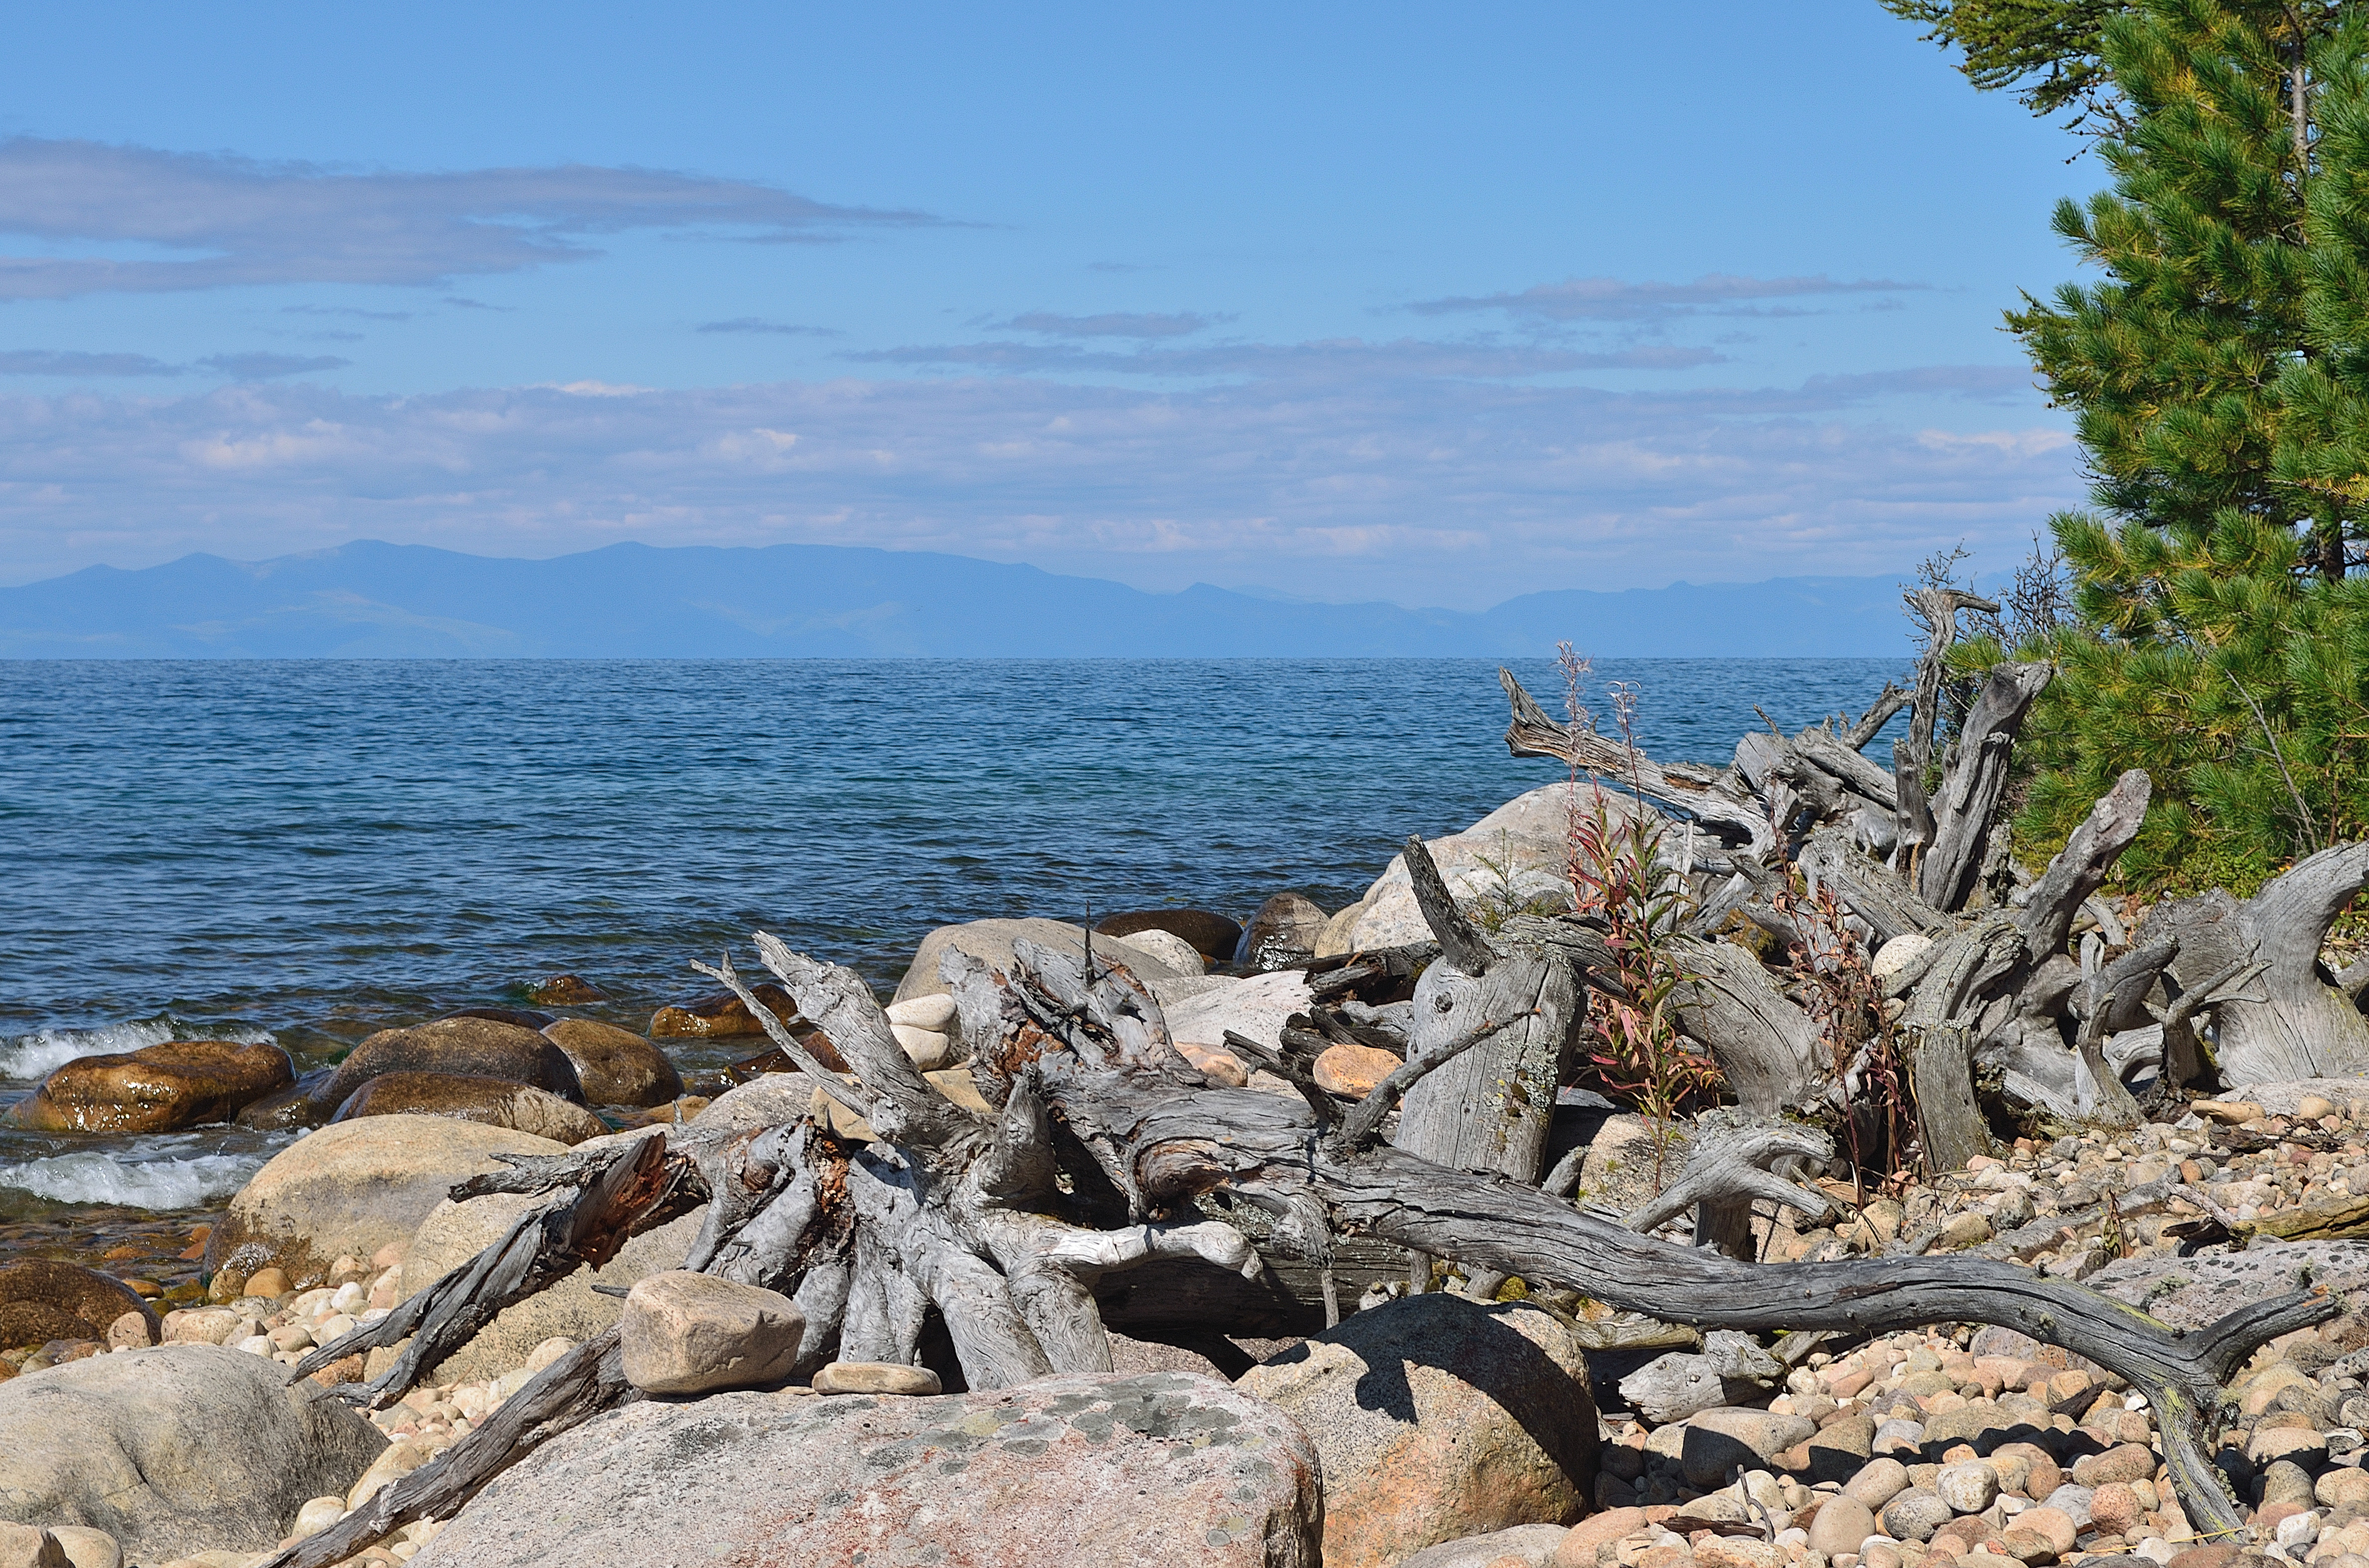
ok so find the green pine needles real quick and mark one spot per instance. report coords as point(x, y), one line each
point(2219, 377)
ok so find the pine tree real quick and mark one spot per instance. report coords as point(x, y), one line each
point(2219, 377)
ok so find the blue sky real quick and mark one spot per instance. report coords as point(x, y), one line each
point(1432, 304)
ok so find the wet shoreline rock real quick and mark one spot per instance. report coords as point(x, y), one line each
point(159, 1088)
point(466, 1046)
point(493, 1102)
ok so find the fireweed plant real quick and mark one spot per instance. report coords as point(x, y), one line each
point(1835, 982)
point(1618, 875)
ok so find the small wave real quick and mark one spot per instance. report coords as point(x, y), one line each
point(25, 1058)
point(94, 1177)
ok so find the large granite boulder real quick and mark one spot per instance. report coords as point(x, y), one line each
point(159, 1088)
point(496, 1102)
point(1160, 1471)
point(615, 1065)
point(352, 1188)
point(175, 1450)
point(993, 940)
point(42, 1299)
point(480, 1048)
point(1437, 1418)
point(1514, 858)
point(1255, 1007)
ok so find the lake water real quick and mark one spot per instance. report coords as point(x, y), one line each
point(310, 852)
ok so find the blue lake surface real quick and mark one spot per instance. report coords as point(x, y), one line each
point(312, 850)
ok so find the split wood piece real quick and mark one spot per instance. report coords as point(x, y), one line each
point(2183, 1055)
point(1767, 1049)
point(1866, 886)
point(2098, 1097)
point(1938, 1029)
point(2300, 1025)
point(1848, 767)
point(581, 1384)
point(1974, 782)
point(2080, 867)
point(1704, 794)
point(599, 1200)
point(1939, 608)
point(2347, 1222)
point(1733, 1163)
point(1494, 1035)
point(1913, 819)
point(1864, 729)
point(2121, 988)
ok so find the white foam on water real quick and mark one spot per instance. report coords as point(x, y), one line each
point(28, 1058)
point(91, 1177)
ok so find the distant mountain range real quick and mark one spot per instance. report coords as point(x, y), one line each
point(373, 601)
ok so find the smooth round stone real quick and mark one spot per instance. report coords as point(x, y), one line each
point(1877, 1483)
point(1967, 1488)
point(876, 1378)
point(1843, 1524)
point(317, 1516)
point(1914, 1515)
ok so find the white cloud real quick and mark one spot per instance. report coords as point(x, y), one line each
point(1436, 490)
point(223, 222)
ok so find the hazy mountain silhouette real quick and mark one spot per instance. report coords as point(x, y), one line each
point(370, 600)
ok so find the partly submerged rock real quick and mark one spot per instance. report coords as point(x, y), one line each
point(474, 1046)
point(160, 1088)
point(1212, 935)
point(42, 1299)
point(616, 1067)
point(1282, 933)
point(496, 1102)
point(721, 1016)
point(1078, 1472)
point(175, 1450)
point(353, 1188)
point(1437, 1418)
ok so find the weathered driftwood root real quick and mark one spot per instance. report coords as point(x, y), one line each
point(571, 1390)
point(1103, 1150)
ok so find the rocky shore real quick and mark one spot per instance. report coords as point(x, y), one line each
point(160, 1404)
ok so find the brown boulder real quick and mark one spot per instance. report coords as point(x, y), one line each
point(481, 1047)
point(42, 1300)
point(721, 1016)
point(159, 1088)
point(1212, 935)
point(615, 1065)
point(496, 1101)
point(1439, 1418)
